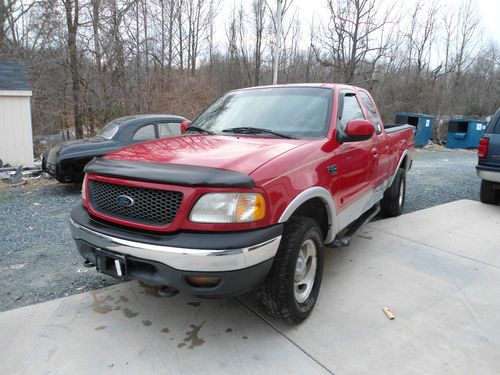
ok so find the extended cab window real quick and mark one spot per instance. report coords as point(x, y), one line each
point(145, 133)
point(351, 110)
point(298, 112)
point(169, 129)
point(372, 111)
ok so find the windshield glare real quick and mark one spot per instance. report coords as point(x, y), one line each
point(108, 131)
point(296, 112)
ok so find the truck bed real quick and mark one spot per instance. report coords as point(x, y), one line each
point(391, 128)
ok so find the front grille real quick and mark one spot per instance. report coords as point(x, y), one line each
point(153, 207)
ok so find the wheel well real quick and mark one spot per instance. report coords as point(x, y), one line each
point(404, 163)
point(315, 209)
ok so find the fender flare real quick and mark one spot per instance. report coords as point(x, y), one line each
point(326, 197)
point(391, 178)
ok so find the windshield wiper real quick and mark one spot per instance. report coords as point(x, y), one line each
point(200, 130)
point(250, 130)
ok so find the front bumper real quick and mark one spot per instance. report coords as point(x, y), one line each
point(240, 259)
point(488, 173)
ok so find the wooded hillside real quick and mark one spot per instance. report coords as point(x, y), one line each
point(94, 60)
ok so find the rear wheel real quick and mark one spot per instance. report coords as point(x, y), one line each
point(488, 193)
point(292, 286)
point(394, 198)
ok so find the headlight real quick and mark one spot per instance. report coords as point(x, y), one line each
point(84, 196)
point(228, 208)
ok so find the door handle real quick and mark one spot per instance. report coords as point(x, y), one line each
point(374, 152)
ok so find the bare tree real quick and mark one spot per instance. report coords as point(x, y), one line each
point(258, 13)
point(350, 37)
point(72, 16)
point(4, 11)
point(467, 24)
point(422, 35)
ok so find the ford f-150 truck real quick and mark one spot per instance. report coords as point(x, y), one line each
point(247, 197)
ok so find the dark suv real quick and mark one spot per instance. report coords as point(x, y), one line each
point(488, 167)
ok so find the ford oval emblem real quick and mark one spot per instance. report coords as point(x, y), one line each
point(125, 200)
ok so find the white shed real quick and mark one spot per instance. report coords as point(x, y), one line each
point(16, 136)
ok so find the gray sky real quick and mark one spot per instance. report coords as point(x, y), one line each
point(489, 12)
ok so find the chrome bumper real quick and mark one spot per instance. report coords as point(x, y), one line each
point(488, 175)
point(201, 260)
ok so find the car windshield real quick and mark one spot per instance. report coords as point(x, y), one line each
point(294, 112)
point(109, 130)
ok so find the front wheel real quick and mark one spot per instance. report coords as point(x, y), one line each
point(291, 288)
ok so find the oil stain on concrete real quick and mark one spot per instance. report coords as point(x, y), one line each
point(194, 304)
point(150, 290)
point(129, 313)
point(192, 337)
point(146, 323)
point(101, 303)
point(122, 299)
point(100, 328)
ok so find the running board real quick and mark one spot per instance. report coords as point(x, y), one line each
point(355, 227)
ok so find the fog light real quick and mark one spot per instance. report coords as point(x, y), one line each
point(203, 281)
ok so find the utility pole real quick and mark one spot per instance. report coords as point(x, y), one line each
point(278, 42)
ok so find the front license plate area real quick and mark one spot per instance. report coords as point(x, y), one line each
point(111, 264)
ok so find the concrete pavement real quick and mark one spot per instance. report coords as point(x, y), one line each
point(437, 269)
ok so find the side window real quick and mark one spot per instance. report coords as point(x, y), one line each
point(145, 133)
point(351, 111)
point(372, 111)
point(169, 129)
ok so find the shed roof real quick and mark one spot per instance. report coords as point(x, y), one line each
point(14, 76)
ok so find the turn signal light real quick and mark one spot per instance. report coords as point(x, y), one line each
point(203, 281)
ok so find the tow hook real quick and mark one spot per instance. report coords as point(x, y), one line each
point(167, 291)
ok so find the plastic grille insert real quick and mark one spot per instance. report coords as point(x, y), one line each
point(145, 206)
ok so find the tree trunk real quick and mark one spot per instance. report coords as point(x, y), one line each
point(3, 20)
point(171, 19)
point(72, 13)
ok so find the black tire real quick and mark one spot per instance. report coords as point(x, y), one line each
point(278, 292)
point(394, 197)
point(488, 193)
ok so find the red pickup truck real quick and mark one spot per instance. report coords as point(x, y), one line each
point(247, 197)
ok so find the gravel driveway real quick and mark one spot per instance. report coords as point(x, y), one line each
point(440, 175)
point(39, 261)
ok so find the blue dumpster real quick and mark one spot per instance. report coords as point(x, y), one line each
point(422, 123)
point(464, 133)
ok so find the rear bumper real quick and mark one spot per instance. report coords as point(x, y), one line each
point(488, 173)
point(170, 259)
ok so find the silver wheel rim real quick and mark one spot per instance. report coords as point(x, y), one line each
point(305, 271)
point(401, 193)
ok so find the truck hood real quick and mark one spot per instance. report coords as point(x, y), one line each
point(241, 154)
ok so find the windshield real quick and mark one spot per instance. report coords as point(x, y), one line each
point(109, 130)
point(297, 112)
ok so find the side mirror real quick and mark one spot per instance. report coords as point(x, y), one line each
point(358, 130)
point(185, 125)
